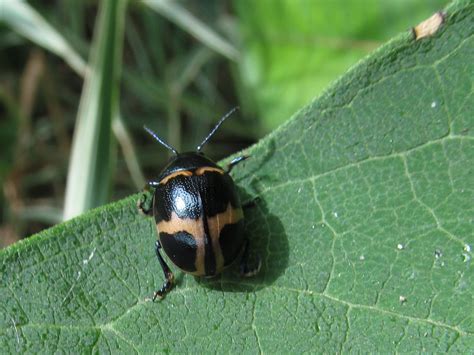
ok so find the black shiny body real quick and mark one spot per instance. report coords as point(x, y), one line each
point(198, 215)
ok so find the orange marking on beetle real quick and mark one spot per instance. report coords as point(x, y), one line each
point(175, 174)
point(204, 169)
point(194, 227)
point(216, 223)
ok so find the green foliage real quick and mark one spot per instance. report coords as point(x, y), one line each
point(8, 130)
point(364, 223)
point(295, 48)
point(23, 19)
point(198, 29)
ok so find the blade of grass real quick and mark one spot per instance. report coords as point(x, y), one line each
point(196, 28)
point(24, 19)
point(88, 180)
point(192, 68)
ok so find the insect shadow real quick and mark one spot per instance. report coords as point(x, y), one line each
point(268, 242)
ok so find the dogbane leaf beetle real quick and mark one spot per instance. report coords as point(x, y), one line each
point(198, 215)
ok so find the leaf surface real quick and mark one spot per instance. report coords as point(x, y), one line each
point(364, 222)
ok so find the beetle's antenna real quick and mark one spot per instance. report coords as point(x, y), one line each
point(216, 127)
point(162, 142)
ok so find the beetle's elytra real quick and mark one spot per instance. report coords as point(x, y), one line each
point(198, 215)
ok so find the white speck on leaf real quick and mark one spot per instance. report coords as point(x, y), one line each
point(467, 247)
point(335, 214)
point(16, 330)
point(402, 299)
point(400, 246)
point(91, 255)
point(438, 254)
point(299, 190)
point(362, 258)
point(71, 288)
point(433, 104)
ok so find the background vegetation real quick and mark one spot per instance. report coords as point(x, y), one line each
point(180, 66)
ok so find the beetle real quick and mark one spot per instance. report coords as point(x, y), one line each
point(198, 215)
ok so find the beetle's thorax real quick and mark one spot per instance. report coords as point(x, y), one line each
point(187, 161)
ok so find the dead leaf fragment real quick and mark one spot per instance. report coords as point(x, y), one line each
point(429, 26)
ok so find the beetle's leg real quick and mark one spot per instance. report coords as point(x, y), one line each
point(245, 269)
point(251, 203)
point(168, 275)
point(236, 161)
point(145, 202)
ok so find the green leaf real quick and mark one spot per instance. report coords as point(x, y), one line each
point(295, 48)
point(364, 223)
point(88, 181)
